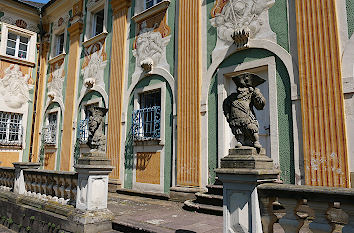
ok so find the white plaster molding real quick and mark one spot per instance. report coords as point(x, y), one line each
point(31, 47)
point(61, 24)
point(92, 8)
point(10, 19)
point(91, 4)
point(267, 67)
point(55, 87)
point(93, 73)
point(342, 23)
point(14, 87)
point(150, 50)
point(242, 15)
point(95, 39)
point(57, 58)
point(141, 15)
point(348, 66)
point(284, 56)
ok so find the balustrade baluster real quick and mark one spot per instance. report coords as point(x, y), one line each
point(67, 187)
point(306, 215)
point(285, 212)
point(74, 189)
point(56, 186)
point(61, 188)
point(336, 217)
point(49, 187)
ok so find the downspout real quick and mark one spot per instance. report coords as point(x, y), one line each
point(41, 33)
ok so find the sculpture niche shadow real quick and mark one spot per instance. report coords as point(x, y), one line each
point(239, 112)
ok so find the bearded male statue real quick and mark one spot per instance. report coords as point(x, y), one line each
point(239, 109)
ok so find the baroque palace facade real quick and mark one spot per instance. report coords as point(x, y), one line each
point(163, 69)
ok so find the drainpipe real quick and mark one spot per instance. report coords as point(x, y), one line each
point(41, 34)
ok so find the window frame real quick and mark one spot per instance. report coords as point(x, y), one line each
point(6, 142)
point(56, 110)
point(90, 19)
point(58, 44)
point(31, 45)
point(55, 34)
point(154, 2)
point(137, 106)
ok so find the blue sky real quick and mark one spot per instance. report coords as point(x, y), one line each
point(41, 1)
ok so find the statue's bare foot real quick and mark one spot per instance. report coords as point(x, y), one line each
point(257, 145)
point(238, 145)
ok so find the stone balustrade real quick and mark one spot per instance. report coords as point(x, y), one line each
point(294, 208)
point(57, 186)
point(7, 177)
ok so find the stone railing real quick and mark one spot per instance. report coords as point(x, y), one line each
point(295, 208)
point(57, 186)
point(7, 178)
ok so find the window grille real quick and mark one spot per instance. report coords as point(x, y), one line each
point(17, 45)
point(50, 132)
point(146, 123)
point(10, 129)
point(151, 3)
point(83, 129)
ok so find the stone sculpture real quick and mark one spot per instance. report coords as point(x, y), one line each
point(96, 139)
point(239, 112)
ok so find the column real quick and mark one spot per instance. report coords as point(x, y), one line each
point(70, 96)
point(322, 99)
point(36, 138)
point(119, 43)
point(188, 107)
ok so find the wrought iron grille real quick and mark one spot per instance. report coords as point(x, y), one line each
point(50, 134)
point(11, 129)
point(83, 137)
point(50, 131)
point(146, 123)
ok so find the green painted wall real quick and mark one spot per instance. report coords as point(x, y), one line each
point(129, 153)
point(350, 17)
point(286, 150)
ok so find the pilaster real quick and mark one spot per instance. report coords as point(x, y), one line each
point(39, 104)
point(322, 100)
point(119, 43)
point(70, 97)
point(188, 107)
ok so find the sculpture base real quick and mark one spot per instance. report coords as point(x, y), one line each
point(93, 174)
point(241, 172)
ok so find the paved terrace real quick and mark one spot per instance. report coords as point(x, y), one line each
point(140, 214)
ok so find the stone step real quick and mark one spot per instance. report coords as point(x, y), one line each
point(203, 208)
point(215, 189)
point(208, 199)
point(137, 227)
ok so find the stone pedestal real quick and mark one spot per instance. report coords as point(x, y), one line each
point(92, 189)
point(19, 184)
point(241, 171)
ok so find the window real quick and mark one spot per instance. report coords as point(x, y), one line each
point(50, 131)
point(98, 21)
point(17, 45)
point(146, 120)
point(150, 3)
point(59, 44)
point(10, 129)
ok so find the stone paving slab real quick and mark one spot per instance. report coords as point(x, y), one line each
point(142, 214)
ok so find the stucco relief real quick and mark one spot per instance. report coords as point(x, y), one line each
point(55, 86)
point(91, 3)
point(236, 16)
point(93, 72)
point(14, 87)
point(61, 21)
point(150, 44)
point(9, 19)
